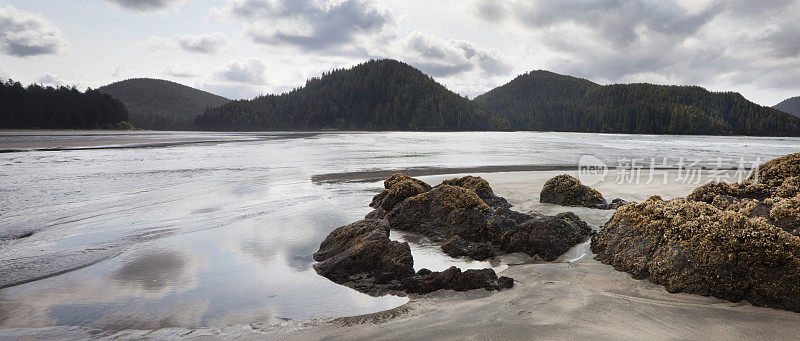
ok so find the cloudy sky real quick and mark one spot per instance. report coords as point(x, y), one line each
point(242, 48)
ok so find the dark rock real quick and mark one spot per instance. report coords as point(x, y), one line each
point(362, 251)
point(441, 213)
point(545, 236)
point(454, 279)
point(399, 187)
point(458, 247)
point(706, 193)
point(464, 212)
point(775, 172)
point(448, 211)
point(481, 187)
point(696, 247)
point(617, 203)
point(565, 190)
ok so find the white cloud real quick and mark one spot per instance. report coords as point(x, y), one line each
point(148, 5)
point(48, 79)
point(121, 71)
point(185, 69)
point(156, 43)
point(25, 34)
point(252, 71)
point(202, 43)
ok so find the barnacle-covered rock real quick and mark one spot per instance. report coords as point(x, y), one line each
point(362, 255)
point(481, 187)
point(426, 281)
point(785, 214)
point(775, 172)
point(441, 213)
point(566, 190)
point(451, 211)
point(695, 247)
point(399, 187)
point(745, 190)
point(464, 213)
point(545, 236)
point(458, 247)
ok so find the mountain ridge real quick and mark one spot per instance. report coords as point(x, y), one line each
point(162, 104)
point(548, 101)
point(789, 106)
point(375, 95)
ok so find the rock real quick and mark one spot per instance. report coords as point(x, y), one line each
point(770, 193)
point(458, 247)
point(785, 214)
point(545, 236)
point(696, 247)
point(481, 187)
point(449, 211)
point(441, 213)
point(775, 172)
point(453, 279)
point(363, 253)
point(707, 193)
point(565, 190)
point(464, 213)
point(617, 203)
point(399, 187)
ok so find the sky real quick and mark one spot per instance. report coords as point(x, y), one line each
point(243, 48)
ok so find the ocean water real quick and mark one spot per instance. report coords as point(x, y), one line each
point(159, 231)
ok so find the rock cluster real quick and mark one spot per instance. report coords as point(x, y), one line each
point(731, 241)
point(565, 190)
point(450, 210)
point(362, 256)
point(771, 193)
point(464, 214)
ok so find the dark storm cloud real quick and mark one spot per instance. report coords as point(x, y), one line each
point(310, 25)
point(25, 34)
point(146, 5)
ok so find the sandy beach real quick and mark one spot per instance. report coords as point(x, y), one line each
point(575, 297)
point(579, 300)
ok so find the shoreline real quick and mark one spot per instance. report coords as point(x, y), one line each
point(583, 299)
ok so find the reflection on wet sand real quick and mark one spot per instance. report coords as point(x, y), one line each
point(221, 234)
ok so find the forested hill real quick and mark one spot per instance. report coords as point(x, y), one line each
point(38, 107)
point(791, 106)
point(376, 95)
point(542, 100)
point(161, 104)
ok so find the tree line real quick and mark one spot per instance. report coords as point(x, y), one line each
point(45, 107)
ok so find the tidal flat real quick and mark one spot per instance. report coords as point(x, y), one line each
point(216, 238)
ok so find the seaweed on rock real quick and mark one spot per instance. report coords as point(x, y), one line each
point(732, 241)
point(463, 213)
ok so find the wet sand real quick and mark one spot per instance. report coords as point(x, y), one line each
point(56, 140)
point(580, 300)
point(575, 297)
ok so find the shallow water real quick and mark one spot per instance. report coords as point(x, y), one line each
point(213, 234)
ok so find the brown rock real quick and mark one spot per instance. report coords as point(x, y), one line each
point(565, 190)
point(695, 247)
point(453, 279)
point(362, 251)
